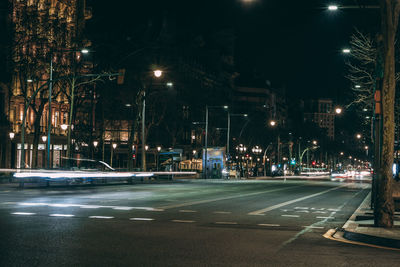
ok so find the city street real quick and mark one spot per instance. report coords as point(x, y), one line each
point(183, 223)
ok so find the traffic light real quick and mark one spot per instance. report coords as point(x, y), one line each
point(313, 163)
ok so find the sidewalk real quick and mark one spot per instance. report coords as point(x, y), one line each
point(359, 229)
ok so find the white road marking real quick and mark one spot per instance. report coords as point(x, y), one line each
point(231, 223)
point(84, 206)
point(320, 217)
point(257, 212)
point(23, 213)
point(141, 219)
point(222, 212)
point(320, 212)
point(287, 215)
point(101, 217)
point(123, 208)
point(61, 215)
point(188, 211)
point(301, 208)
point(333, 209)
point(303, 211)
point(314, 227)
point(268, 225)
point(172, 206)
point(318, 208)
point(183, 221)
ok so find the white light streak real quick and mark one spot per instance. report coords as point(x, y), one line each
point(23, 213)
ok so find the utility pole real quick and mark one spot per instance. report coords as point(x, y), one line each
point(143, 132)
point(206, 144)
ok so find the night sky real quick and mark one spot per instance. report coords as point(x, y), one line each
point(294, 44)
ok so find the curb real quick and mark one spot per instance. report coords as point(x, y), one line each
point(348, 234)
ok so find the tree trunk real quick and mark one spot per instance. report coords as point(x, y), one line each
point(36, 135)
point(384, 206)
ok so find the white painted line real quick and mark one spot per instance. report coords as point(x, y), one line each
point(141, 219)
point(23, 213)
point(287, 215)
point(61, 215)
point(268, 225)
point(333, 209)
point(320, 217)
point(123, 208)
point(183, 221)
point(188, 211)
point(172, 206)
point(320, 212)
point(231, 223)
point(293, 201)
point(303, 211)
point(301, 208)
point(101, 217)
point(317, 208)
point(222, 212)
point(89, 207)
point(314, 227)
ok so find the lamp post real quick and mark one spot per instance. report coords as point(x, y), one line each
point(113, 146)
point(11, 135)
point(157, 73)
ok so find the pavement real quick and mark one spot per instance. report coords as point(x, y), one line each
point(360, 229)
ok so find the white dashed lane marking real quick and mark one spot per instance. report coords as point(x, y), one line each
point(187, 211)
point(287, 215)
point(101, 217)
point(222, 212)
point(183, 221)
point(61, 215)
point(320, 217)
point(268, 224)
point(141, 219)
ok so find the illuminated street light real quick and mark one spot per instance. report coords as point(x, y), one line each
point(146, 148)
point(333, 7)
point(338, 110)
point(346, 51)
point(12, 135)
point(272, 123)
point(357, 86)
point(44, 138)
point(84, 51)
point(314, 142)
point(95, 143)
point(358, 136)
point(158, 73)
point(169, 84)
point(158, 148)
point(64, 127)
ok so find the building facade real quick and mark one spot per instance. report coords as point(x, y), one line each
point(45, 33)
point(322, 113)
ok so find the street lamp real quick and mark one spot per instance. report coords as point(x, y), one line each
point(157, 73)
point(338, 110)
point(11, 135)
point(95, 143)
point(64, 127)
point(44, 138)
point(114, 146)
point(333, 7)
point(272, 123)
point(358, 136)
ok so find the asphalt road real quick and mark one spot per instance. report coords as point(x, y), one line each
point(183, 223)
